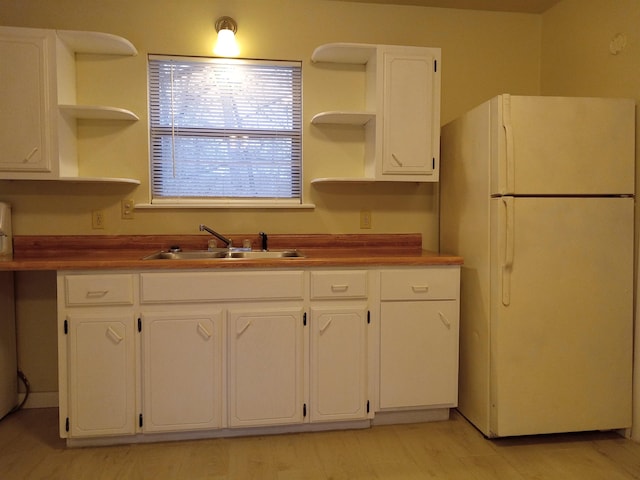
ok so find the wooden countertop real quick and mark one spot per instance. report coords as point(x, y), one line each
point(100, 252)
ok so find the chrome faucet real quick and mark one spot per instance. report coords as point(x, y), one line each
point(227, 241)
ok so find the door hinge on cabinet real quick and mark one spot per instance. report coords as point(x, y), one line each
point(140, 421)
point(66, 326)
point(66, 425)
point(139, 324)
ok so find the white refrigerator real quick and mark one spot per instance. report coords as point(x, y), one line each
point(537, 195)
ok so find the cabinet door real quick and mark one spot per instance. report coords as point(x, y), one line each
point(101, 375)
point(419, 354)
point(338, 363)
point(266, 377)
point(182, 370)
point(410, 141)
point(25, 99)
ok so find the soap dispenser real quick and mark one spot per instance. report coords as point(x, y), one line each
point(6, 236)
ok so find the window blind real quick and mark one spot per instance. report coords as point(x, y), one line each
point(225, 128)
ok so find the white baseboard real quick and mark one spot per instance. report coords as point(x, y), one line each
point(40, 399)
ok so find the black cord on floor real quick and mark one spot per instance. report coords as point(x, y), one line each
point(27, 387)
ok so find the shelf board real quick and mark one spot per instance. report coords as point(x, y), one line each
point(98, 112)
point(343, 180)
point(131, 181)
point(97, 42)
point(357, 53)
point(342, 118)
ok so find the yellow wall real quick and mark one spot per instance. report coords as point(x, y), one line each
point(576, 60)
point(483, 54)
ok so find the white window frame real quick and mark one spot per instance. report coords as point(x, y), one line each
point(292, 135)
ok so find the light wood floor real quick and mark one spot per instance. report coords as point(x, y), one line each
point(30, 449)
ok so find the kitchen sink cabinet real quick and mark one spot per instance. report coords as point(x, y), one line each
point(402, 112)
point(38, 110)
point(265, 366)
point(181, 369)
point(419, 324)
point(220, 353)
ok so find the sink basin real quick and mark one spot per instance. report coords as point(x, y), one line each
point(223, 255)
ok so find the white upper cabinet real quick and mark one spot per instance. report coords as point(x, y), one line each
point(401, 117)
point(38, 109)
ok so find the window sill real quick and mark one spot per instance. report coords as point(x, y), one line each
point(225, 204)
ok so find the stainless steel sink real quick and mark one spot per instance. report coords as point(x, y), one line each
point(223, 255)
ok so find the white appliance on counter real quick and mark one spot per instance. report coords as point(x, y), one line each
point(8, 359)
point(537, 195)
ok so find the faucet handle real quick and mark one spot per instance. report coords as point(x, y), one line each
point(264, 240)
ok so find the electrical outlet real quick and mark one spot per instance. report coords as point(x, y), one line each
point(365, 219)
point(97, 219)
point(128, 206)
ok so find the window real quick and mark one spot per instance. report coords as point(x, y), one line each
point(225, 130)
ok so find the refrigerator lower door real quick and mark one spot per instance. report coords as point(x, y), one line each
point(561, 315)
point(8, 360)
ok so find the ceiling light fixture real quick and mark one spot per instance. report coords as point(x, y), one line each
point(226, 45)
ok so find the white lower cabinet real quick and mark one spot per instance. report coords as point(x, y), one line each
point(419, 324)
point(214, 351)
point(181, 370)
point(265, 365)
point(338, 363)
point(338, 345)
point(101, 350)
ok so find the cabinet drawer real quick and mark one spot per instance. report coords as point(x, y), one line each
point(434, 283)
point(339, 284)
point(98, 290)
point(228, 286)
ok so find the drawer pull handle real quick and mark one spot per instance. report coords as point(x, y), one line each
point(242, 330)
point(203, 331)
point(444, 320)
point(97, 293)
point(339, 288)
point(326, 325)
point(114, 335)
point(420, 288)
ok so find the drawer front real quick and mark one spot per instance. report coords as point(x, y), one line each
point(228, 286)
point(347, 284)
point(98, 290)
point(435, 283)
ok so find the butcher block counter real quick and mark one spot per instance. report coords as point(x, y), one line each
point(91, 252)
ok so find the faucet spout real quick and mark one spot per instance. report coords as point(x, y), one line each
point(227, 241)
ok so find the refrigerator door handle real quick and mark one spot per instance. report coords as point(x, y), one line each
point(507, 263)
point(507, 182)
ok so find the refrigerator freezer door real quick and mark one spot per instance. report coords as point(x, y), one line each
point(561, 340)
point(562, 145)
